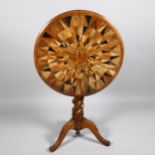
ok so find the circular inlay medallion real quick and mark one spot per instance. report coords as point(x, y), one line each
point(78, 53)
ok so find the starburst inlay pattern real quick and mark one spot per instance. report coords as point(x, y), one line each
point(78, 53)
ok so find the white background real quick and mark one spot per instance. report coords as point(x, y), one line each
point(31, 114)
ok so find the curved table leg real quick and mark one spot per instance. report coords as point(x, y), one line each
point(69, 125)
point(92, 127)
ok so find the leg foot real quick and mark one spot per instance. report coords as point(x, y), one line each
point(92, 127)
point(69, 125)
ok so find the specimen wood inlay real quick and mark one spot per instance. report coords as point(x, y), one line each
point(78, 53)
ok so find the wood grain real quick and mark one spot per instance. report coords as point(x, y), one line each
point(78, 53)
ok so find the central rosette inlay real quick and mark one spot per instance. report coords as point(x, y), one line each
point(79, 56)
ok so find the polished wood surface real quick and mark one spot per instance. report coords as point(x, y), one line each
point(78, 53)
point(77, 123)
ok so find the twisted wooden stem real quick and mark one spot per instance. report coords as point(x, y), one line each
point(77, 113)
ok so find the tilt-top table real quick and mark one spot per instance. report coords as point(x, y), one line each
point(78, 53)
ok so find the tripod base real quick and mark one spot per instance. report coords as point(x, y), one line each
point(77, 123)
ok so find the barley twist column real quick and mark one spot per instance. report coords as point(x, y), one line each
point(77, 113)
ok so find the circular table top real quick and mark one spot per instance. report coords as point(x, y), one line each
point(78, 53)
